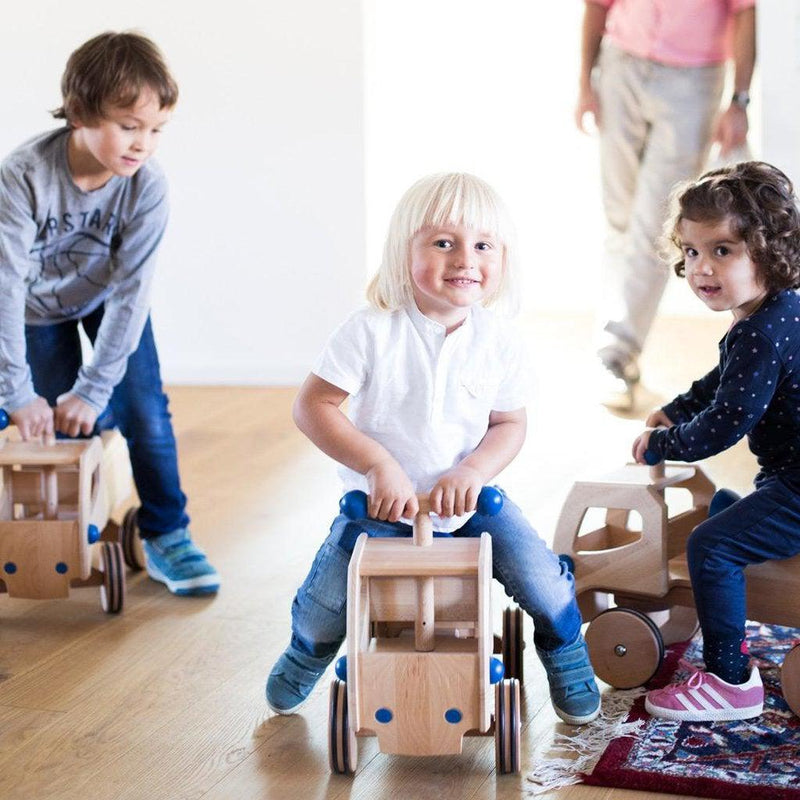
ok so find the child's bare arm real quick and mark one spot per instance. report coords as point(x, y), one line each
point(456, 492)
point(318, 415)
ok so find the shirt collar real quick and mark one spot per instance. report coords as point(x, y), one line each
point(430, 329)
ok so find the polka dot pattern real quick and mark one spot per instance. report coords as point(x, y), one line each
point(753, 391)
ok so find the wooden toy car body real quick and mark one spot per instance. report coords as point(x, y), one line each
point(56, 500)
point(419, 651)
point(645, 574)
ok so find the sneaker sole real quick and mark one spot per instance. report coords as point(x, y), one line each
point(570, 719)
point(716, 715)
point(285, 712)
point(203, 584)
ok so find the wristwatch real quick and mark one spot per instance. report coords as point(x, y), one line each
point(741, 99)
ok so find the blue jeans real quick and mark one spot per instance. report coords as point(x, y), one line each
point(138, 407)
point(762, 526)
point(522, 562)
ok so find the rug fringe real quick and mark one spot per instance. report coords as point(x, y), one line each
point(585, 745)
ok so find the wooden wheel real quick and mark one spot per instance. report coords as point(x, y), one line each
point(513, 643)
point(112, 590)
point(790, 679)
point(507, 726)
point(681, 626)
point(625, 647)
point(131, 543)
point(342, 748)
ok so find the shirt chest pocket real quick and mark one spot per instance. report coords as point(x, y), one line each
point(476, 392)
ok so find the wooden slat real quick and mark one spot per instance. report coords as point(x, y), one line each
point(401, 557)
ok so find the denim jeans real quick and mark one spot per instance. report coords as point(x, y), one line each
point(763, 525)
point(138, 407)
point(522, 562)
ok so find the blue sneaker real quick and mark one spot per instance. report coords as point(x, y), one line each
point(174, 559)
point(573, 691)
point(292, 678)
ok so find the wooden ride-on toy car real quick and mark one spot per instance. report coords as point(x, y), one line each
point(645, 573)
point(56, 498)
point(419, 662)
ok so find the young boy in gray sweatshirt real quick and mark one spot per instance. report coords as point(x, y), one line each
point(82, 212)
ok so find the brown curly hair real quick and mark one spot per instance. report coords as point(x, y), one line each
point(113, 68)
point(759, 201)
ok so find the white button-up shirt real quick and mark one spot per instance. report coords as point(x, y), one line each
point(426, 397)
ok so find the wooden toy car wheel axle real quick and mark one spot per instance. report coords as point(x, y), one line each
point(507, 726)
point(342, 747)
point(625, 647)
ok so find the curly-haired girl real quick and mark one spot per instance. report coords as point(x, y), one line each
point(738, 232)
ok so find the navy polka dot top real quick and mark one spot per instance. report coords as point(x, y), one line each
point(755, 390)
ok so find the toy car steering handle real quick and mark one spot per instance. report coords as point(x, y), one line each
point(354, 504)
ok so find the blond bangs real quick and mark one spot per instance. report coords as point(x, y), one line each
point(439, 201)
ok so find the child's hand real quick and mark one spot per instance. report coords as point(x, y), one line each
point(73, 416)
point(34, 419)
point(640, 445)
point(657, 419)
point(456, 492)
point(391, 494)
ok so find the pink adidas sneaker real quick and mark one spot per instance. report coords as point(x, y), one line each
point(706, 698)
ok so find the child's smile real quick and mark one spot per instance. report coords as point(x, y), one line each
point(453, 267)
point(719, 268)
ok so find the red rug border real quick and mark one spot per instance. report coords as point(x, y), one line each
point(610, 764)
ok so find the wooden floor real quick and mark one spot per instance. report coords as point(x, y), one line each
point(166, 700)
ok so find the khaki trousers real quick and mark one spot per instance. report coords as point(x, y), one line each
point(655, 131)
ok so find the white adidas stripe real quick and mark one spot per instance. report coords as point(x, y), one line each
point(717, 696)
point(702, 700)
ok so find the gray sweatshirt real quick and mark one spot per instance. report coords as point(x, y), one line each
point(64, 251)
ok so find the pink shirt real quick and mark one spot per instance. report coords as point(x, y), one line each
point(682, 33)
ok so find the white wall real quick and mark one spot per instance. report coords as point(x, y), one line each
point(488, 88)
point(265, 248)
point(779, 57)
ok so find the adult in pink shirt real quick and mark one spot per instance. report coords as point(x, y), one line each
point(652, 75)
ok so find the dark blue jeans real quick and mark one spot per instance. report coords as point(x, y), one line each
point(138, 407)
point(762, 526)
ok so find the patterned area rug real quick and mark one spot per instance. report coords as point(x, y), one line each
point(749, 759)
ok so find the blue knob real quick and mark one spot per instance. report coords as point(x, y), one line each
point(490, 501)
point(341, 668)
point(496, 670)
point(354, 505)
point(93, 534)
point(651, 458)
point(4, 420)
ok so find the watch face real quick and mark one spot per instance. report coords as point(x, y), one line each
point(741, 99)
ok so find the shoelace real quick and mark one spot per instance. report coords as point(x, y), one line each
point(696, 679)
